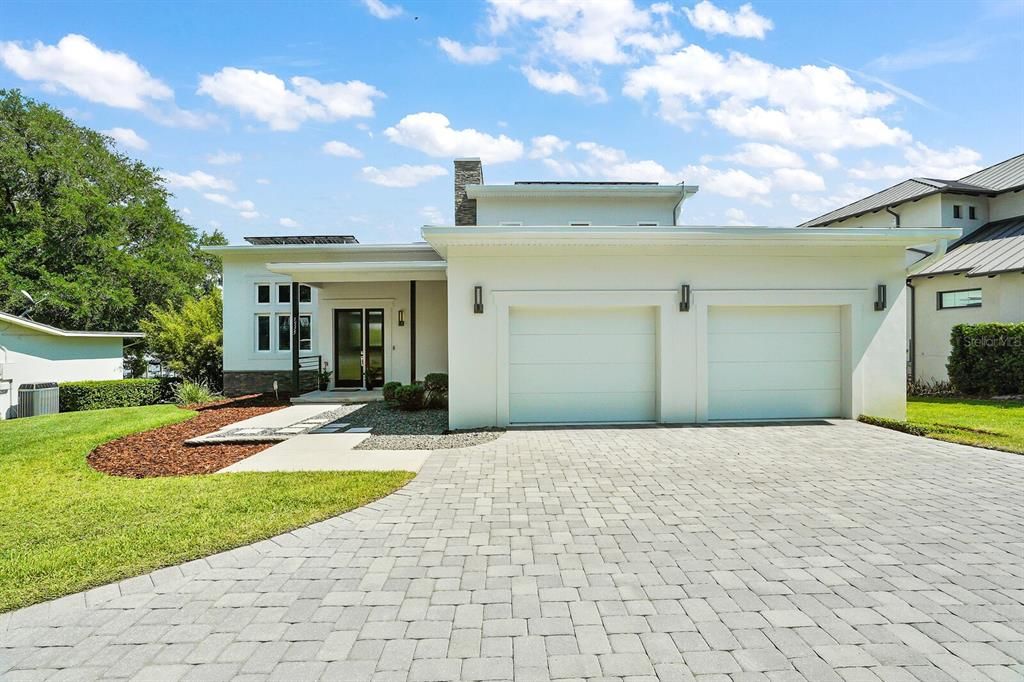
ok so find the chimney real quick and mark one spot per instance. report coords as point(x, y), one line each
point(467, 172)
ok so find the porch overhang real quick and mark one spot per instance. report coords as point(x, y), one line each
point(361, 271)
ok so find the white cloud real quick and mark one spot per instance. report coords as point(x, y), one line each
point(383, 11)
point(737, 217)
point(732, 182)
point(764, 156)
point(954, 51)
point(262, 181)
point(245, 207)
point(473, 54)
point(814, 107)
point(587, 31)
point(432, 134)
point(816, 205)
point(288, 222)
point(128, 138)
point(338, 148)
point(249, 215)
point(223, 158)
point(799, 179)
point(746, 23)
point(432, 215)
point(197, 180)
point(827, 160)
point(545, 145)
point(923, 161)
point(77, 65)
point(562, 82)
point(267, 98)
point(402, 176)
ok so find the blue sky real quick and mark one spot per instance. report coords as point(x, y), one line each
point(344, 117)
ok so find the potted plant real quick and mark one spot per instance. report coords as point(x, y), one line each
point(323, 378)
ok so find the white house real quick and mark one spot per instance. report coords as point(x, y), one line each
point(554, 302)
point(31, 353)
point(978, 278)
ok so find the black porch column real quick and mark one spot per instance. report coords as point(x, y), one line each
point(296, 391)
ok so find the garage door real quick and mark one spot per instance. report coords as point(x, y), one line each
point(774, 362)
point(570, 365)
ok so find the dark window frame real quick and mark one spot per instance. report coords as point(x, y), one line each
point(260, 317)
point(958, 212)
point(284, 293)
point(260, 288)
point(284, 333)
point(305, 293)
point(940, 294)
point(972, 213)
point(306, 340)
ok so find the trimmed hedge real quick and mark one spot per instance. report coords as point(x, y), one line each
point(389, 390)
point(987, 359)
point(411, 396)
point(894, 424)
point(76, 396)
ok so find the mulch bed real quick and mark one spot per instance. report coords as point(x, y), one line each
point(162, 451)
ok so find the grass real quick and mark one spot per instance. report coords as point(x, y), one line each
point(995, 424)
point(65, 527)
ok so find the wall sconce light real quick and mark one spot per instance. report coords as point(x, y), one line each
point(684, 300)
point(401, 318)
point(478, 299)
point(880, 301)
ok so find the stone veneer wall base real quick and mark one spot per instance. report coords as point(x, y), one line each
point(246, 382)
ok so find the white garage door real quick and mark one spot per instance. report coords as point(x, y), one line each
point(774, 362)
point(571, 365)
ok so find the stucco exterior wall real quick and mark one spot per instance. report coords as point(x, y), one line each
point(926, 212)
point(647, 276)
point(595, 210)
point(1002, 301)
point(1007, 205)
point(28, 357)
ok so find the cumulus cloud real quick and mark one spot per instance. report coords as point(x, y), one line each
point(382, 10)
point(814, 107)
point(269, 99)
point(923, 161)
point(731, 182)
point(432, 134)
point(764, 156)
point(545, 145)
point(562, 82)
point(197, 180)
point(827, 160)
point(223, 158)
point(737, 217)
point(816, 205)
point(262, 181)
point(245, 207)
point(127, 138)
point(746, 23)
point(432, 215)
point(472, 54)
point(338, 148)
point(288, 222)
point(799, 179)
point(402, 176)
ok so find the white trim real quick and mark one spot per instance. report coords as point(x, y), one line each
point(362, 271)
point(56, 331)
point(270, 292)
point(277, 333)
point(555, 189)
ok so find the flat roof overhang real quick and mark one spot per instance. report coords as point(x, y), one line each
point(442, 237)
point(362, 271)
point(557, 190)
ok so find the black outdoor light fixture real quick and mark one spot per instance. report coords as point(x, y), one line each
point(880, 301)
point(684, 301)
point(478, 299)
point(401, 318)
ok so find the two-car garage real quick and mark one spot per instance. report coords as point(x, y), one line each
point(600, 364)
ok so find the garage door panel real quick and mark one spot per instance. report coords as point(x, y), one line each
point(580, 378)
point(775, 404)
point(736, 376)
point(581, 407)
point(776, 319)
point(564, 349)
point(757, 347)
point(579, 320)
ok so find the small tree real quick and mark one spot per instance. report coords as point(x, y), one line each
point(190, 340)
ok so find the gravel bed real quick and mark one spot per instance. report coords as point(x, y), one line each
point(460, 439)
point(395, 429)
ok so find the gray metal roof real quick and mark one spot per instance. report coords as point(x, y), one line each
point(1003, 176)
point(992, 249)
point(303, 239)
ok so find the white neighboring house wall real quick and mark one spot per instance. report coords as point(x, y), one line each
point(596, 211)
point(32, 353)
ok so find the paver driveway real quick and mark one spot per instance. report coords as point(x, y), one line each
point(817, 552)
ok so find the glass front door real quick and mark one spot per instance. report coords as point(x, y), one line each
point(359, 347)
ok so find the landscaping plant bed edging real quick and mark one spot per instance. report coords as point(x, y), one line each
point(163, 452)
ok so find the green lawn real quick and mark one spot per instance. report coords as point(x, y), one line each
point(996, 424)
point(65, 527)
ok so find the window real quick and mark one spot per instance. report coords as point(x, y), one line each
point(580, 224)
point(305, 293)
point(263, 332)
point(305, 333)
point(263, 293)
point(284, 332)
point(966, 298)
point(971, 213)
point(957, 211)
point(284, 293)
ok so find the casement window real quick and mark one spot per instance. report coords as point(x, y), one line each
point(284, 332)
point(305, 332)
point(284, 293)
point(263, 293)
point(965, 298)
point(971, 213)
point(263, 333)
point(958, 211)
point(305, 294)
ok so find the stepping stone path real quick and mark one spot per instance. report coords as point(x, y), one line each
point(331, 421)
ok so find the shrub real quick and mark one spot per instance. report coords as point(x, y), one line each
point(894, 424)
point(437, 381)
point(924, 387)
point(389, 390)
point(76, 396)
point(189, 339)
point(987, 359)
point(411, 396)
point(168, 386)
point(193, 393)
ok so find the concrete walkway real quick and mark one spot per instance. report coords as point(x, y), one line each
point(329, 452)
point(771, 553)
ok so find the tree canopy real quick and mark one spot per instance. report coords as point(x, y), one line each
point(86, 230)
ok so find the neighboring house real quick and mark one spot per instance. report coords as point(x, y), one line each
point(979, 278)
point(32, 353)
point(566, 302)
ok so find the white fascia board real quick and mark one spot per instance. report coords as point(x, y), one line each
point(555, 190)
point(333, 271)
point(269, 249)
point(442, 237)
point(68, 333)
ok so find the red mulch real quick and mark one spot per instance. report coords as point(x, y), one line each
point(162, 451)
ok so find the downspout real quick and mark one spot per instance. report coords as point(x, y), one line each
point(913, 329)
point(894, 214)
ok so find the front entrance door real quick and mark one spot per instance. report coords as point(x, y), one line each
point(359, 348)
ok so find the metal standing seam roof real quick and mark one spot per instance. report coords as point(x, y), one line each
point(995, 248)
point(303, 239)
point(1002, 176)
